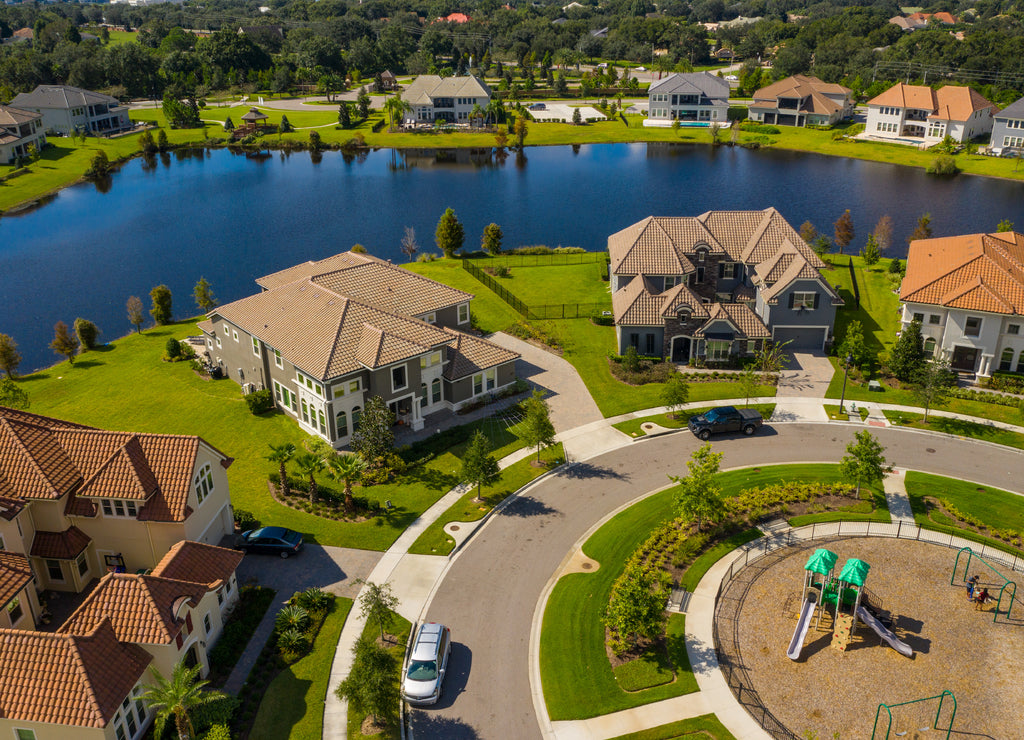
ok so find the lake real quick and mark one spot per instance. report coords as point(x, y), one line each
point(232, 218)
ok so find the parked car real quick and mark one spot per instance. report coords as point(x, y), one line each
point(270, 540)
point(725, 419)
point(428, 662)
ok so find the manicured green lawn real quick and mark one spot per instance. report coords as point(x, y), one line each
point(656, 667)
point(435, 541)
point(490, 313)
point(879, 312)
point(702, 564)
point(704, 726)
point(633, 427)
point(834, 413)
point(553, 284)
point(400, 627)
point(996, 508)
point(293, 705)
point(960, 427)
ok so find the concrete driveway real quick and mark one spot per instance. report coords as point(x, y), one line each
point(807, 375)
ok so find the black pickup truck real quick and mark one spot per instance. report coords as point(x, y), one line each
point(725, 419)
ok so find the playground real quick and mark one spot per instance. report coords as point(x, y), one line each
point(919, 636)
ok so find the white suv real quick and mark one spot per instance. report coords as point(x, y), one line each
point(427, 664)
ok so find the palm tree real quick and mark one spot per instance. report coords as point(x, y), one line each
point(494, 109)
point(281, 454)
point(310, 464)
point(177, 697)
point(346, 469)
point(476, 114)
point(395, 107)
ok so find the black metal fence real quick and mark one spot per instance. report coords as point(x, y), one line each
point(567, 311)
point(553, 311)
point(498, 290)
point(537, 260)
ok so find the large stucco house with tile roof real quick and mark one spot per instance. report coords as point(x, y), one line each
point(20, 131)
point(802, 100)
point(1008, 129)
point(688, 97)
point(716, 286)
point(450, 99)
point(66, 109)
point(87, 680)
point(77, 501)
point(917, 112)
point(967, 292)
point(327, 336)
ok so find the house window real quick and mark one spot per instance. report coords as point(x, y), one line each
point(82, 563)
point(227, 331)
point(234, 334)
point(220, 596)
point(357, 412)
point(1013, 329)
point(478, 384)
point(1020, 362)
point(227, 585)
point(431, 318)
point(718, 350)
point(341, 422)
point(701, 255)
point(24, 735)
point(934, 318)
point(972, 328)
point(207, 626)
point(650, 344)
point(634, 340)
point(14, 610)
point(53, 570)
point(751, 346)
point(728, 270)
point(424, 398)
point(398, 378)
point(463, 313)
point(256, 346)
point(803, 300)
point(219, 344)
point(321, 421)
point(305, 411)
point(277, 359)
point(140, 706)
point(203, 482)
point(929, 347)
point(431, 360)
point(1006, 360)
point(919, 318)
point(435, 390)
point(353, 387)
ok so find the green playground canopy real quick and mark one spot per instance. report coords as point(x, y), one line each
point(855, 572)
point(822, 561)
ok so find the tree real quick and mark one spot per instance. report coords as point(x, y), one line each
point(395, 107)
point(373, 437)
point(577, 117)
point(871, 251)
point(344, 115)
point(10, 357)
point(161, 310)
point(636, 606)
point(377, 603)
point(844, 230)
point(177, 697)
point(135, 315)
point(409, 245)
point(933, 384)
point(479, 468)
point(204, 295)
point(1004, 226)
point(923, 230)
point(491, 241)
point(285, 126)
point(538, 431)
point(11, 395)
point(822, 246)
point(883, 233)
point(64, 342)
point(772, 357)
point(87, 332)
point(229, 125)
point(854, 346)
point(906, 360)
point(281, 454)
point(699, 497)
point(675, 394)
point(346, 469)
point(371, 688)
point(314, 141)
point(521, 128)
point(450, 234)
point(147, 145)
point(310, 464)
point(864, 461)
point(807, 232)
point(99, 166)
point(750, 383)
point(717, 131)
point(363, 103)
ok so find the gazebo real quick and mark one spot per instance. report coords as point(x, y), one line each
point(254, 119)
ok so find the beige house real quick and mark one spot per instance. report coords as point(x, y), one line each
point(79, 502)
point(802, 100)
point(66, 109)
point(917, 114)
point(19, 131)
point(86, 681)
point(450, 99)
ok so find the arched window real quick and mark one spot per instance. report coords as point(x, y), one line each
point(357, 412)
point(1006, 360)
point(435, 387)
point(1020, 362)
point(929, 346)
point(423, 396)
point(341, 422)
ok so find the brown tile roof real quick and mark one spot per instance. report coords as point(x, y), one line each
point(468, 354)
point(67, 679)
point(900, 95)
point(10, 507)
point(307, 270)
point(141, 608)
point(15, 574)
point(198, 562)
point(801, 86)
point(65, 545)
point(10, 116)
point(948, 103)
point(739, 315)
point(976, 272)
point(637, 304)
point(779, 271)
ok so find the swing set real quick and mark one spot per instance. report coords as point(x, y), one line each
point(933, 725)
point(1007, 591)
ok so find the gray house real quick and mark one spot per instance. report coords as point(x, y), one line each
point(326, 336)
point(1008, 129)
point(20, 131)
point(66, 109)
point(692, 98)
point(718, 285)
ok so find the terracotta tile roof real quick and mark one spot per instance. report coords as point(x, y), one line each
point(65, 679)
point(32, 462)
point(801, 86)
point(65, 545)
point(10, 507)
point(468, 354)
point(976, 272)
point(198, 563)
point(744, 321)
point(391, 288)
point(307, 270)
point(948, 103)
point(900, 95)
point(125, 474)
point(15, 574)
point(637, 304)
point(141, 608)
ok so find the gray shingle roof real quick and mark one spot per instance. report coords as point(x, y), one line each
point(692, 82)
point(62, 97)
point(1013, 110)
point(425, 88)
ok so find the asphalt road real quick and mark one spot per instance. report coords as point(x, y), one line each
point(490, 592)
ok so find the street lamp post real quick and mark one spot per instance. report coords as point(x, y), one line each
point(846, 371)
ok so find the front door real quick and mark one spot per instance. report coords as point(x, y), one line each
point(681, 349)
point(965, 359)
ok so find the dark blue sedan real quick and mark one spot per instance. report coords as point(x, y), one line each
point(271, 540)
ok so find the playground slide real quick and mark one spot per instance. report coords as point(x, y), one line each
point(894, 642)
point(801, 630)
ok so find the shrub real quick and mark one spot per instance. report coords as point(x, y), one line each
point(760, 128)
point(291, 617)
point(218, 732)
point(502, 271)
point(87, 333)
point(603, 320)
point(173, 349)
point(246, 520)
point(944, 164)
point(291, 642)
point(260, 402)
point(314, 599)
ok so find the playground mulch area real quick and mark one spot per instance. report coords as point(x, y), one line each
point(827, 691)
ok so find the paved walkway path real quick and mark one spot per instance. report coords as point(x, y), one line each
point(896, 496)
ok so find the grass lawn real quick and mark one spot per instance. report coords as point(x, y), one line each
point(656, 667)
point(633, 427)
point(834, 413)
point(490, 313)
point(553, 284)
point(994, 507)
point(400, 627)
point(704, 726)
point(959, 427)
point(699, 567)
point(292, 706)
point(879, 312)
point(435, 541)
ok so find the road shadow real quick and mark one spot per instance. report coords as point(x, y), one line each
point(526, 506)
point(425, 725)
point(587, 471)
point(460, 663)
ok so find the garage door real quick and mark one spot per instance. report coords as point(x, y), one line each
point(809, 339)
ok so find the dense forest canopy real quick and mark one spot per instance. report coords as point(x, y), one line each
point(294, 42)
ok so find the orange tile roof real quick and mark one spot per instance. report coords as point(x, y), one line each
point(32, 462)
point(65, 545)
point(141, 608)
point(975, 272)
point(15, 574)
point(65, 679)
point(948, 103)
point(901, 95)
point(198, 562)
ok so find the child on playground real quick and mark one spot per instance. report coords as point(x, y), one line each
point(971, 585)
point(982, 598)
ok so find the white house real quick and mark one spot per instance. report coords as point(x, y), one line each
point(967, 292)
point(66, 109)
point(19, 130)
point(1008, 129)
point(692, 98)
point(918, 114)
point(450, 99)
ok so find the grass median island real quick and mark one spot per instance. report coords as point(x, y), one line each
point(704, 726)
point(679, 420)
point(959, 427)
point(398, 631)
point(435, 541)
point(292, 706)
